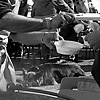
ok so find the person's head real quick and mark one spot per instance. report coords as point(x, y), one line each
point(94, 26)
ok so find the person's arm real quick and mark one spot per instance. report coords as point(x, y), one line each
point(38, 37)
point(70, 4)
point(13, 22)
point(17, 23)
point(62, 6)
point(29, 38)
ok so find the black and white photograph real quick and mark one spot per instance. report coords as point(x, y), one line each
point(49, 49)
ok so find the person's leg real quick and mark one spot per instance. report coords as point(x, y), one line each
point(46, 52)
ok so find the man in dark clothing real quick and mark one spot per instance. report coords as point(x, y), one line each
point(50, 8)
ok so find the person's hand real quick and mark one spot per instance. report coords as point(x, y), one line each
point(69, 17)
point(93, 39)
point(50, 37)
point(62, 19)
point(57, 21)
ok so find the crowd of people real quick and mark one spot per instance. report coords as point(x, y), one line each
point(50, 20)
